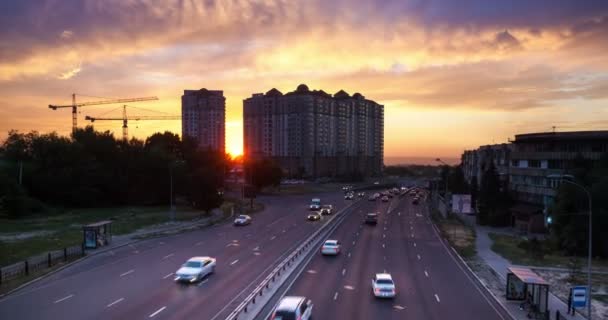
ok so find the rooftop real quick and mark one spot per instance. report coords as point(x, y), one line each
point(571, 135)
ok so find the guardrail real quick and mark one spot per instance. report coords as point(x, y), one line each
point(39, 262)
point(282, 267)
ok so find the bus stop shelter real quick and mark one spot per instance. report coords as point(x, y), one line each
point(525, 285)
point(97, 234)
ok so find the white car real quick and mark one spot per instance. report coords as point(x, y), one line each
point(242, 220)
point(383, 286)
point(195, 269)
point(331, 247)
point(292, 308)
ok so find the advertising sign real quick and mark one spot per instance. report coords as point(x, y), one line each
point(461, 203)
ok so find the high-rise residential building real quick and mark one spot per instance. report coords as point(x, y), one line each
point(314, 134)
point(204, 118)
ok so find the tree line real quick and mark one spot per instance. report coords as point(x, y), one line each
point(92, 169)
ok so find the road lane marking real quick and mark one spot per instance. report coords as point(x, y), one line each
point(256, 248)
point(256, 253)
point(167, 276)
point(349, 287)
point(437, 298)
point(115, 302)
point(283, 231)
point(336, 296)
point(412, 235)
point(353, 243)
point(199, 243)
point(64, 298)
point(383, 246)
point(311, 271)
point(273, 237)
point(383, 236)
point(168, 256)
point(232, 244)
point(414, 244)
point(349, 254)
point(454, 250)
point(398, 307)
point(234, 262)
point(385, 228)
point(418, 257)
point(384, 258)
point(157, 312)
point(202, 282)
point(426, 273)
point(343, 272)
point(399, 213)
point(161, 243)
point(128, 272)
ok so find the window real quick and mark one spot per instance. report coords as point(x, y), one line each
point(534, 163)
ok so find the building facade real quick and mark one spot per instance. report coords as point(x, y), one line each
point(204, 118)
point(314, 134)
point(527, 164)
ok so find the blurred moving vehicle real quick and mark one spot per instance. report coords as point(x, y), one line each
point(315, 204)
point(349, 196)
point(315, 216)
point(331, 247)
point(371, 198)
point(361, 194)
point(195, 269)
point(383, 286)
point(327, 209)
point(293, 308)
point(384, 199)
point(242, 220)
point(371, 218)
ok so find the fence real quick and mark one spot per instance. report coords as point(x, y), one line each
point(39, 263)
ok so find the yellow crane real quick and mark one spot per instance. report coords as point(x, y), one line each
point(75, 105)
point(125, 120)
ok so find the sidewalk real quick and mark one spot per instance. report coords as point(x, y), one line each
point(500, 265)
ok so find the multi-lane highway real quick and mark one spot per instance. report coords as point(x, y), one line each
point(431, 283)
point(136, 282)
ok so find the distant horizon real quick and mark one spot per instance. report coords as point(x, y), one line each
point(415, 160)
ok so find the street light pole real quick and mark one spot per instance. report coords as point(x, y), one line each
point(590, 222)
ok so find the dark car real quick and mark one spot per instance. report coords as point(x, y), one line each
point(327, 209)
point(314, 217)
point(371, 218)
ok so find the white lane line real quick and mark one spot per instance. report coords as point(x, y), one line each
point(353, 243)
point(311, 271)
point(357, 233)
point(343, 272)
point(167, 276)
point(168, 256)
point(64, 298)
point(234, 262)
point(336, 296)
point(199, 243)
point(347, 287)
point(202, 282)
point(399, 213)
point(273, 237)
point(115, 302)
point(412, 235)
point(256, 253)
point(385, 228)
point(384, 258)
point(383, 236)
point(418, 257)
point(256, 248)
point(128, 272)
point(426, 273)
point(454, 250)
point(414, 244)
point(383, 246)
point(161, 243)
point(349, 254)
point(157, 312)
point(437, 298)
point(398, 307)
point(284, 231)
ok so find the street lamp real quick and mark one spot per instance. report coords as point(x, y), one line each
point(564, 178)
point(447, 176)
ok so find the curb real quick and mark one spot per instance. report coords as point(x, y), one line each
point(436, 229)
point(92, 254)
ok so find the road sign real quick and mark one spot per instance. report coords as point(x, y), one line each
point(579, 296)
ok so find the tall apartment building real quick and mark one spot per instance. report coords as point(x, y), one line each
point(204, 118)
point(528, 161)
point(315, 134)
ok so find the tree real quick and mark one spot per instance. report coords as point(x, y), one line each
point(456, 182)
point(263, 173)
point(494, 201)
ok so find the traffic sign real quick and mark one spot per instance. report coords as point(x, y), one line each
point(579, 296)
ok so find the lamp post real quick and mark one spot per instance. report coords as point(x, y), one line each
point(447, 176)
point(564, 178)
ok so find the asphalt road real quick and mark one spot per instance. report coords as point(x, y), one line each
point(430, 283)
point(136, 282)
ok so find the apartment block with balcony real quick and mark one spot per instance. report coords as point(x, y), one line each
point(204, 118)
point(312, 133)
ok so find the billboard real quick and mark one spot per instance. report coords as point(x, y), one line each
point(461, 203)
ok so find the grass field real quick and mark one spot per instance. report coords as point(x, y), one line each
point(23, 238)
point(507, 246)
point(460, 236)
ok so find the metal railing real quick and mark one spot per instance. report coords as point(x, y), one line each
point(282, 267)
point(38, 263)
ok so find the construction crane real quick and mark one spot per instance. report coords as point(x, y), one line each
point(75, 105)
point(125, 120)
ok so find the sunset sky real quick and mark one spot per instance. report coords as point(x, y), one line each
point(452, 75)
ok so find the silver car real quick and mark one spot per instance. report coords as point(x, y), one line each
point(242, 220)
point(292, 308)
point(195, 269)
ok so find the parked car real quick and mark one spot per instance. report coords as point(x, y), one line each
point(315, 216)
point(371, 218)
point(293, 308)
point(315, 204)
point(331, 247)
point(242, 220)
point(195, 269)
point(327, 209)
point(383, 286)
